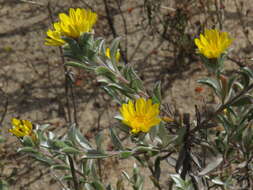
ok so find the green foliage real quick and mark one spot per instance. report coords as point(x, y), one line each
point(202, 149)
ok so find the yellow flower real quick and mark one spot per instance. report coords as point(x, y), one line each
point(213, 43)
point(108, 54)
point(54, 37)
point(21, 128)
point(141, 115)
point(78, 21)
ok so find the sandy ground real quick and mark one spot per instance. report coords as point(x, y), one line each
point(32, 76)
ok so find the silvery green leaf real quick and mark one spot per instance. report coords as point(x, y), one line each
point(79, 138)
point(99, 45)
point(157, 97)
point(125, 174)
point(243, 100)
point(79, 65)
point(144, 149)
point(57, 144)
point(70, 150)
point(245, 80)
point(248, 71)
point(86, 39)
point(153, 133)
point(124, 128)
point(106, 72)
point(27, 150)
point(60, 167)
point(157, 172)
point(214, 163)
point(214, 84)
point(217, 181)
point(115, 140)
point(67, 178)
point(113, 93)
point(171, 161)
point(94, 154)
point(87, 166)
point(42, 127)
point(118, 117)
point(231, 82)
point(27, 141)
point(51, 135)
point(164, 135)
point(43, 159)
point(113, 50)
point(180, 183)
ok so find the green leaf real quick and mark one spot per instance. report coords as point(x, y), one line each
point(231, 82)
point(125, 174)
point(217, 181)
point(97, 185)
point(125, 154)
point(113, 93)
point(144, 149)
point(242, 101)
point(115, 140)
point(157, 97)
point(74, 48)
point(43, 159)
point(157, 173)
point(245, 78)
point(106, 72)
point(27, 141)
point(70, 150)
point(94, 154)
point(67, 178)
point(76, 136)
point(124, 128)
point(57, 144)
point(114, 48)
point(86, 39)
point(79, 65)
point(180, 183)
point(60, 167)
point(214, 84)
point(136, 82)
point(212, 165)
point(248, 71)
point(164, 135)
point(27, 150)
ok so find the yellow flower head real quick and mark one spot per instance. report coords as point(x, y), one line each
point(78, 21)
point(213, 43)
point(21, 128)
point(54, 37)
point(108, 54)
point(141, 115)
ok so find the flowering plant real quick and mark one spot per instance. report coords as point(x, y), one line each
point(192, 146)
